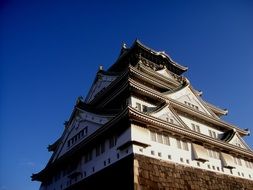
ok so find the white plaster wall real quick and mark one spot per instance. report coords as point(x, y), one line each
point(133, 100)
point(143, 135)
point(203, 127)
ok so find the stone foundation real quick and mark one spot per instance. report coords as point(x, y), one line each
point(137, 172)
point(155, 174)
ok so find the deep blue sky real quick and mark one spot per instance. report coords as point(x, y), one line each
point(50, 52)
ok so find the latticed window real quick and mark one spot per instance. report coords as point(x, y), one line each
point(212, 133)
point(153, 136)
point(112, 141)
point(185, 145)
point(159, 138)
point(166, 140)
point(179, 144)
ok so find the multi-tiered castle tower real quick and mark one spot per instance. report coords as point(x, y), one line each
point(143, 126)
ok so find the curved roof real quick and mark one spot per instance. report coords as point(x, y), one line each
point(137, 48)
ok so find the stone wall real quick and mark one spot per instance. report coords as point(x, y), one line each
point(155, 174)
point(137, 172)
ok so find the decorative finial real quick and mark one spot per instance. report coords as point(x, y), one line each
point(79, 99)
point(124, 45)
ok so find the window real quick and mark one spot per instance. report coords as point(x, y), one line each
point(237, 161)
point(152, 152)
point(159, 154)
point(88, 156)
point(185, 145)
point(144, 108)
point(153, 136)
point(159, 138)
point(138, 106)
point(77, 137)
point(182, 145)
point(191, 105)
point(98, 150)
point(166, 140)
point(248, 164)
point(195, 128)
point(213, 154)
point(169, 157)
point(181, 160)
point(212, 134)
point(112, 141)
point(179, 144)
point(102, 147)
point(171, 121)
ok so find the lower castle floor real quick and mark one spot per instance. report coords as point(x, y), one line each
point(137, 172)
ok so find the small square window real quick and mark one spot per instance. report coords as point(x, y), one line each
point(141, 149)
point(209, 167)
point(152, 152)
point(187, 161)
point(144, 108)
point(159, 154)
point(218, 168)
point(213, 167)
point(169, 157)
point(198, 164)
point(138, 106)
point(181, 160)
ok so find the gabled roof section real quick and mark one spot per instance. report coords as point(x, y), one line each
point(168, 114)
point(232, 137)
point(157, 58)
point(187, 97)
point(101, 81)
point(82, 115)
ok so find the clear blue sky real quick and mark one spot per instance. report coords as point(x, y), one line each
point(50, 52)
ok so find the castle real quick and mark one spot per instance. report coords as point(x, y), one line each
point(144, 126)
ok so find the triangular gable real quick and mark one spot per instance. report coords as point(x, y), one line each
point(101, 82)
point(238, 141)
point(167, 114)
point(80, 127)
point(187, 97)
